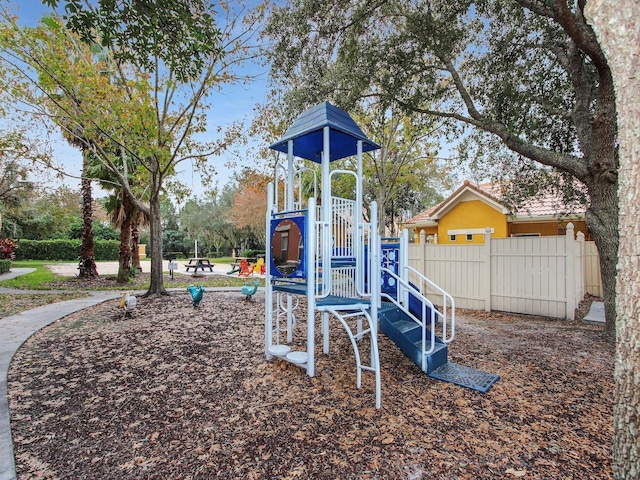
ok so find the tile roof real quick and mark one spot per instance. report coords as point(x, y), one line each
point(548, 204)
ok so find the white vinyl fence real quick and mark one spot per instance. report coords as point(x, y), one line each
point(533, 275)
point(592, 279)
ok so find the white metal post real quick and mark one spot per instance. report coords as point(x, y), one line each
point(289, 195)
point(374, 266)
point(325, 333)
point(403, 265)
point(289, 206)
point(327, 243)
point(268, 303)
point(359, 223)
point(310, 271)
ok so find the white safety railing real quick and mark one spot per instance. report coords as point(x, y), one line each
point(343, 231)
point(302, 195)
point(343, 282)
point(425, 286)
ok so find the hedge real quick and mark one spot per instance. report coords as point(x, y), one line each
point(5, 266)
point(66, 250)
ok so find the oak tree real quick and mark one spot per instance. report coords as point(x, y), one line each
point(529, 73)
point(618, 28)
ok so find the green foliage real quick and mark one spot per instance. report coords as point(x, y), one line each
point(5, 266)
point(252, 253)
point(15, 186)
point(144, 96)
point(104, 232)
point(66, 250)
point(107, 249)
point(503, 67)
point(175, 241)
point(44, 215)
point(100, 230)
point(137, 32)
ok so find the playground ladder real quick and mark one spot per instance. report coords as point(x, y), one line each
point(345, 316)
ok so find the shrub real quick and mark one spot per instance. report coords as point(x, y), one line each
point(66, 250)
point(5, 266)
point(253, 253)
point(106, 249)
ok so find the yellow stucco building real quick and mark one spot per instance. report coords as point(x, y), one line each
point(465, 215)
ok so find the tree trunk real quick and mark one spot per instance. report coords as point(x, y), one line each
point(156, 287)
point(86, 260)
point(618, 27)
point(602, 221)
point(135, 242)
point(124, 263)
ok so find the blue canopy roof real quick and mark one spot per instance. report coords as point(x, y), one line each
point(306, 133)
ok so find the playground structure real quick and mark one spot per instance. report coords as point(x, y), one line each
point(329, 254)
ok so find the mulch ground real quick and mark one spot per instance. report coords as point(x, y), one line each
point(183, 393)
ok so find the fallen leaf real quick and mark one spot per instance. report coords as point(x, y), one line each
point(516, 473)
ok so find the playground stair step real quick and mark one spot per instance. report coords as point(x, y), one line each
point(407, 335)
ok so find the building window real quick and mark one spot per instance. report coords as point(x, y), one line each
point(284, 247)
point(469, 237)
point(452, 238)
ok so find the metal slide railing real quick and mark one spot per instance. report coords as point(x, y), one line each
point(447, 302)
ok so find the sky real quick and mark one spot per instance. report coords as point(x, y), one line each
point(233, 103)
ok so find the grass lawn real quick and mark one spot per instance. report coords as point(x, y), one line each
point(44, 279)
point(70, 287)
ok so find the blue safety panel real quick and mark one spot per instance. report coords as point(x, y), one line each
point(306, 133)
point(296, 289)
point(465, 376)
point(391, 261)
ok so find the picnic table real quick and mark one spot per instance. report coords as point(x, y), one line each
point(199, 263)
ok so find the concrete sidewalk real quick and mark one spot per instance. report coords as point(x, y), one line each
point(595, 315)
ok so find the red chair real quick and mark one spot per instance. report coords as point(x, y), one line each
point(246, 269)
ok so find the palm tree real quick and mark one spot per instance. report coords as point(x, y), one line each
point(86, 259)
point(123, 214)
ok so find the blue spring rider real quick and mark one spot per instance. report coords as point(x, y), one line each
point(196, 294)
point(249, 289)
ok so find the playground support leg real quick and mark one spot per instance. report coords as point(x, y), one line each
point(289, 319)
point(325, 333)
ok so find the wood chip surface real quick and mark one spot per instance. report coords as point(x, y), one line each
point(183, 393)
